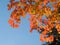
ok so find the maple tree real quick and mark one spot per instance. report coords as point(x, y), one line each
point(49, 27)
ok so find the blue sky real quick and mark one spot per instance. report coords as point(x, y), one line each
point(13, 36)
